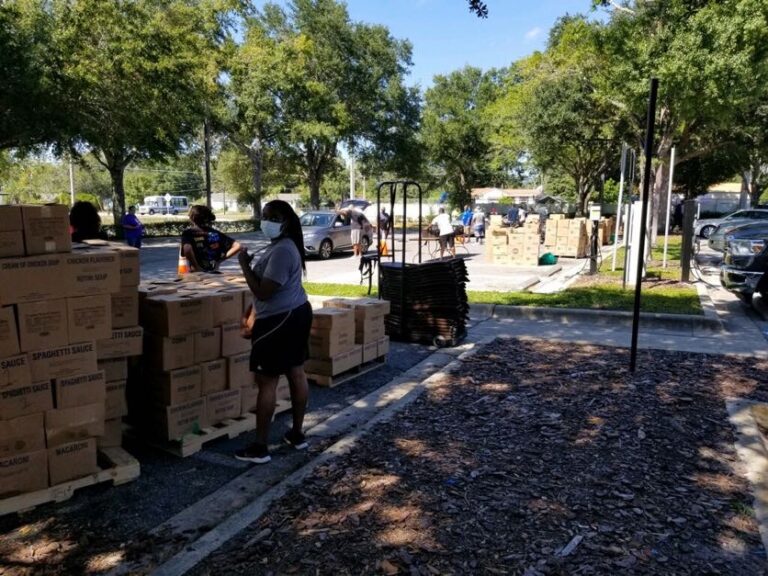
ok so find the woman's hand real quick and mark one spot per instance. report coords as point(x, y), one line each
point(244, 258)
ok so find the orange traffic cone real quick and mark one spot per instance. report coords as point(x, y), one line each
point(183, 266)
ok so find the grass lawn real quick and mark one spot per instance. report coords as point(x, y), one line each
point(662, 291)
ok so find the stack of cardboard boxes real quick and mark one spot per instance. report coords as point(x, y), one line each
point(59, 305)
point(514, 246)
point(567, 237)
point(346, 333)
point(196, 363)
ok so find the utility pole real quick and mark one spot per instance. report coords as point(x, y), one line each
point(351, 177)
point(207, 155)
point(71, 183)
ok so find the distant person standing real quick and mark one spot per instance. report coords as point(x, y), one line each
point(134, 230)
point(356, 220)
point(513, 216)
point(385, 223)
point(85, 222)
point(677, 217)
point(478, 225)
point(445, 231)
point(203, 246)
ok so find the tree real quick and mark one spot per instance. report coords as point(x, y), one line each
point(134, 78)
point(456, 132)
point(319, 81)
point(710, 58)
point(29, 111)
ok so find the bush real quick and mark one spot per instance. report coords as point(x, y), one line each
point(171, 228)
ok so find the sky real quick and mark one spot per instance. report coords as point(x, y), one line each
point(446, 36)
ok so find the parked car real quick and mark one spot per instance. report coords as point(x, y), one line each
point(706, 226)
point(745, 263)
point(718, 240)
point(356, 203)
point(327, 232)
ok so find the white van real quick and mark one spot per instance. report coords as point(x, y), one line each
point(164, 205)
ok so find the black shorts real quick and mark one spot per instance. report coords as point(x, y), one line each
point(281, 342)
point(446, 240)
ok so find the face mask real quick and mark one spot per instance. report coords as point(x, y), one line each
point(271, 229)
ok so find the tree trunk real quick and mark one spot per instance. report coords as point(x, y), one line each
point(584, 191)
point(313, 179)
point(744, 193)
point(116, 174)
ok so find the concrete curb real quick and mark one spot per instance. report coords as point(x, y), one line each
point(600, 317)
point(751, 450)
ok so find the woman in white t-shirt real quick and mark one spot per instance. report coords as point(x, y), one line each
point(445, 230)
point(280, 335)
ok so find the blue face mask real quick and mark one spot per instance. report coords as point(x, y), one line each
point(271, 230)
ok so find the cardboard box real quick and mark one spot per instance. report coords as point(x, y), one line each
point(370, 351)
point(9, 334)
point(383, 346)
point(72, 460)
point(115, 403)
point(336, 364)
point(227, 306)
point(231, 341)
point(15, 371)
point(22, 434)
point(64, 425)
point(176, 314)
point(369, 317)
point(220, 406)
point(113, 434)
point(326, 319)
point(22, 473)
point(125, 308)
point(327, 343)
point(21, 400)
point(239, 371)
point(30, 278)
point(173, 422)
point(90, 318)
point(214, 376)
point(207, 344)
point(63, 361)
point(79, 390)
point(114, 369)
point(164, 353)
point(42, 324)
point(46, 229)
point(370, 332)
point(93, 271)
point(10, 218)
point(151, 289)
point(123, 342)
point(177, 386)
point(129, 264)
point(249, 397)
point(11, 243)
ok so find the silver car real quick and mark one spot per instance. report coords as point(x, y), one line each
point(718, 239)
point(706, 226)
point(327, 232)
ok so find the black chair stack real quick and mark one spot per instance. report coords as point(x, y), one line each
point(428, 301)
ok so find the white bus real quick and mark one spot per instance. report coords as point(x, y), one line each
point(164, 205)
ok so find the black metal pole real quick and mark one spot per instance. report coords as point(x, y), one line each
point(649, 137)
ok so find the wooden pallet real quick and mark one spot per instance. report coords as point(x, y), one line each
point(193, 443)
point(332, 381)
point(118, 467)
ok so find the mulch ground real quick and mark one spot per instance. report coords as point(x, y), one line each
point(533, 458)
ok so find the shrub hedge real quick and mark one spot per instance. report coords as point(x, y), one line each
point(176, 227)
